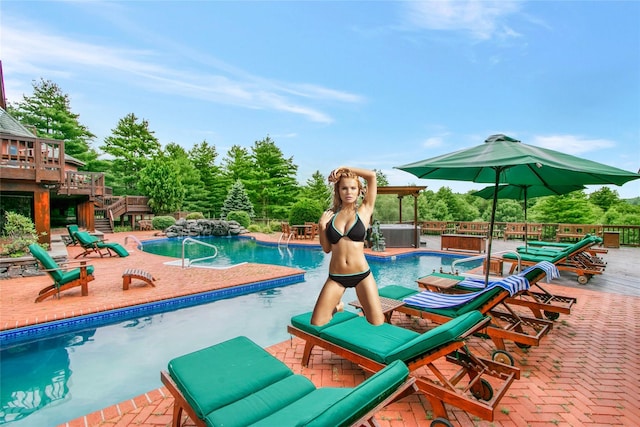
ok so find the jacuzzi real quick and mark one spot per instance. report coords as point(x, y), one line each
point(400, 235)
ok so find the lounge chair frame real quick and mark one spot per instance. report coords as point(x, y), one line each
point(447, 391)
point(181, 406)
point(54, 289)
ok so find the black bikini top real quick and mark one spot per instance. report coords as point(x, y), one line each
point(357, 232)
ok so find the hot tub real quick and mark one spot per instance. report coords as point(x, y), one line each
point(400, 235)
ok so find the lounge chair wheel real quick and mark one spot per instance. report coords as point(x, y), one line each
point(441, 422)
point(551, 315)
point(524, 346)
point(583, 280)
point(482, 390)
point(502, 356)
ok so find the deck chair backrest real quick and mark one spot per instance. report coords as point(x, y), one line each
point(85, 238)
point(72, 230)
point(47, 262)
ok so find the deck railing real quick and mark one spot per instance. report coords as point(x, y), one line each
point(629, 234)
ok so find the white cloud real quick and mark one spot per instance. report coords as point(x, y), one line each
point(482, 19)
point(36, 52)
point(571, 144)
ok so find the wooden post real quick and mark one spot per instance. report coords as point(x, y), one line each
point(42, 215)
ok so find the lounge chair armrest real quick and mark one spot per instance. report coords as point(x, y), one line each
point(480, 325)
point(65, 266)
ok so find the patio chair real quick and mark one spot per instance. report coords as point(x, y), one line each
point(571, 259)
point(373, 347)
point(237, 383)
point(64, 278)
point(92, 244)
point(505, 325)
point(71, 238)
point(542, 303)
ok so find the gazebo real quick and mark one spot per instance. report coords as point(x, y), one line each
point(402, 191)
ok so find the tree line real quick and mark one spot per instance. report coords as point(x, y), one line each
point(261, 180)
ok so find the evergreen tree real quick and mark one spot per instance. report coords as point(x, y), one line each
point(132, 145)
point(237, 164)
point(273, 185)
point(160, 181)
point(237, 200)
point(49, 112)
point(317, 189)
point(195, 192)
point(203, 157)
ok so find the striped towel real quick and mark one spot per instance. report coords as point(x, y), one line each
point(428, 299)
point(549, 269)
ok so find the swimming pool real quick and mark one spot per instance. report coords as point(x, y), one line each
point(49, 381)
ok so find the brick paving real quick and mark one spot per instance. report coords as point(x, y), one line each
point(586, 372)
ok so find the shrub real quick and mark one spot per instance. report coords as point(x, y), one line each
point(241, 217)
point(254, 228)
point(305, 210)
point(19, 233)
point(162, 222)
point(121, 228)
point(195, 215)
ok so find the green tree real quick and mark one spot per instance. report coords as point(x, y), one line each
point(381, 178)
point(160, 181)
point(132, 145)
point(272, 184)
point(237, 200)
point(216, 184)
point(317, 189)
point(49, 112)
point(237, 164)
point(195, 192)
point(573, 208)
point(604, 198)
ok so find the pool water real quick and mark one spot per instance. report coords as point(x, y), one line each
point(51, 381)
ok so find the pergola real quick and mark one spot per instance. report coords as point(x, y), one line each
point(402, 191)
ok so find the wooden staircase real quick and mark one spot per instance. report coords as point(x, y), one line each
point(103, 225)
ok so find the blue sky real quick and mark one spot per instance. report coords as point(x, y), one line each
point(371, 84)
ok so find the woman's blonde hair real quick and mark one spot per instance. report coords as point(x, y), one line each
point(337, 176)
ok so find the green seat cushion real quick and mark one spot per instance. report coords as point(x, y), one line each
point(264, 402)
point(60, 277)
point(116, 247)
point(303, 321)
point(224, 373)
point(374, 342)
point(71, 275)
point(396, 292)
point(340, 406)
point(387, 343)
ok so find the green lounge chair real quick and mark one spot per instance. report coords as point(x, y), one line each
point(71, 238)
point(542, 303)
point(63, 278)
point(373, 347)
point(570, 259)
point(237, 383)
point(92, 244)
point(505, 324)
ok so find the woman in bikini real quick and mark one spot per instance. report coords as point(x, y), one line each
point(342, 231)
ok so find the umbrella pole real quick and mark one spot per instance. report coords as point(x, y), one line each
point(526, 226)
point(491, 224)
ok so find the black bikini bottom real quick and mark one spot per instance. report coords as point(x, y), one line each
point(349, 280)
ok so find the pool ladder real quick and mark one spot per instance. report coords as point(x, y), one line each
point(455, 271)
point(189, 240)
point(135, 239)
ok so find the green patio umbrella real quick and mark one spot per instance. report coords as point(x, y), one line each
point(505, 160)
point(525, 192)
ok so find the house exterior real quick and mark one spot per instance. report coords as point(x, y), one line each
point(38, 180)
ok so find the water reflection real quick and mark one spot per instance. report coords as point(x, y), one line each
point(36, 375)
